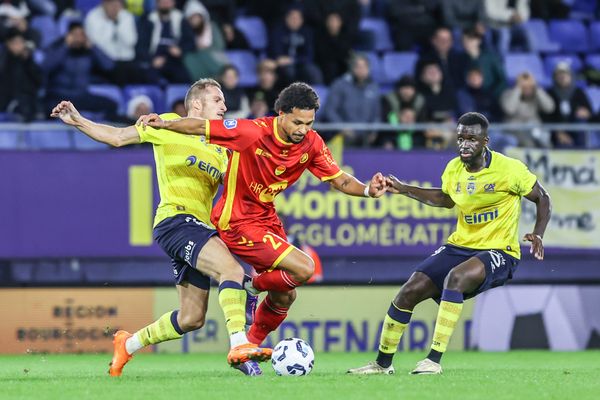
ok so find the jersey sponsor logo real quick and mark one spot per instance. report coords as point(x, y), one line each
point(438, 251)
point(279, 170)
point(261, 152)
point(188, 249)
point(230, 123)
point(268, 194)
point(497, 260)
point(284, 153)
point(482, 217)
point(489, 187)
point(326, 153)
point(205, 167)
point(304, 158)
point(471, 187)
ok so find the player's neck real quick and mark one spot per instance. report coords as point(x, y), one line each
point(478, 163)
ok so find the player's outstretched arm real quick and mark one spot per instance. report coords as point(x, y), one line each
point(187, 126)
point(431, 196)
point(111, 135)
point(350, 185)
point(543, 204)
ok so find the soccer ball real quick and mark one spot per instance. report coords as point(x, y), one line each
point(292, 357)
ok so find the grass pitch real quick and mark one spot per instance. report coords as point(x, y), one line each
point(469, 375)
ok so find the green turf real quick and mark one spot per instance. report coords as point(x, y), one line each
point(472, 375)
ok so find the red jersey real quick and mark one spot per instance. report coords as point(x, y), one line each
point(261, 166)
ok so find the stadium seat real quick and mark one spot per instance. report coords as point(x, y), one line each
point(573, 60)
point(380, 31)
point(254, 30)
point(583, 9)
point(47, 28)
point(113, 92)
point(516, 63)
point(593, 61)
point(40, 139)
point(322, 92)
point(85, 5)
point(396, 64)
point(174, 93)
point(245, 62)
point(593, 93)
point(155, 94)
point(538, 37)
point(375, 66)
point(9, 140)
point(571, 35)
point(595, 35)
point(83, 142)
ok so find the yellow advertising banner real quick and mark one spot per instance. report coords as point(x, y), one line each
point(573, 180)
point(65, 320)
point(336, 319)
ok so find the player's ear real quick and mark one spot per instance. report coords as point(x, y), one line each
point(197, 105)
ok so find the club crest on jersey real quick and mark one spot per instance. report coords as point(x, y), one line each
point(471, 187)
point(279, 170)
point(489, 187)
point(230, 123)
point(304, 158)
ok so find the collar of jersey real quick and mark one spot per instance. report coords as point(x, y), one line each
point(276, 133)
point(489, 157)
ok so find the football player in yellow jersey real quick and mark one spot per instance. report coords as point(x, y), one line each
point(486, 187)
point(189, 172)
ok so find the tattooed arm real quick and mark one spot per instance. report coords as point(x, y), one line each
point(350, 185)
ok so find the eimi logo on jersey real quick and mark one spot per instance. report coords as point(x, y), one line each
point(482, 217)
point(230, 123)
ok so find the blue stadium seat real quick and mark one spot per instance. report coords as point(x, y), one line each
point(375, 66)
point(538, 37)
point(573, 60)
point(9, 140)
point(593, 61)
point(254, 30)
point(47, 28)
point(572, 35)
point(84, 142)
point(85, 5)
point(245, 61)
point(396, 64)
point(113, 92)
point(174, 93)
point(595, 35)
point(583, 9)
point(322, 92)
point(380, 31)
point(516, 63)
point(155, 94)
point(593, 93)
point(48, 139)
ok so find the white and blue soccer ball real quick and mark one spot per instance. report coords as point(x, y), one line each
point(292, 357)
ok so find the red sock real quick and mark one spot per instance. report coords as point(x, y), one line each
point(277, 281)
point(267, 318)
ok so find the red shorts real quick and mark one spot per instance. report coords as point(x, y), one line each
point(261, 246)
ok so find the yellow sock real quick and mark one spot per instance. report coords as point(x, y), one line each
point(390, 335)
point(163, 329)
point(448, 315)
point(232, 298)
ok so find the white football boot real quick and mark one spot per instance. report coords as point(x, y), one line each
point(372, 368)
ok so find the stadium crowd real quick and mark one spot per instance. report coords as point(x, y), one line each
point(390, 61)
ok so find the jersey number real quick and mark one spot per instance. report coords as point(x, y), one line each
point(269, 238)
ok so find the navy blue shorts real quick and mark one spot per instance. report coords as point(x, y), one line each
point(182, 237)
point(499, 266)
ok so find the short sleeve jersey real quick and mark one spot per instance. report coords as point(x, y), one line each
point(488, 202)
point(263, 164)
point(188, 170)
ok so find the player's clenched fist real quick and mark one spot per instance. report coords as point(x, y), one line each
point(394, 185)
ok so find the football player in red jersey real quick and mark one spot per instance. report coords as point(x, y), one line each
point(267, 156)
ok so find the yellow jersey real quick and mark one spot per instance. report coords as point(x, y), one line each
point(488, 202)
point(188, 170)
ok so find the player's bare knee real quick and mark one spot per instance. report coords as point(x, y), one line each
point(232, 272)
point(283, 299)
point(456, 280)
point(305, 271)
point(189, 323)
point(408, 297)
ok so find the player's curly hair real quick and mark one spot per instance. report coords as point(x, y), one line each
point(297, 95)
point(474, 118)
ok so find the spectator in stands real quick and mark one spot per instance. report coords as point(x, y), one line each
point(549, 9)
point(475, 96)
point(293, 49)
point(572, 105)
point(208, 58)
point(447, 58)
point(464, 14)
point(139, 7)
point(404, 139)
point(404, 95)
point(268, 84)
point(506, 18)
point(111, 28)
point(333, 48)
point(525, 103)
point(223, 13)
point(354, 97)
point(440, 101)
point(69, 64)
point(137, 106)
point(476, 56)
point(412, 22)
point(165, 37)
point(258, 106)
point(178, 107)
point(13, 15)
point(347, 10)
point(238, 105)
point(42, 7)
point(20, 77)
